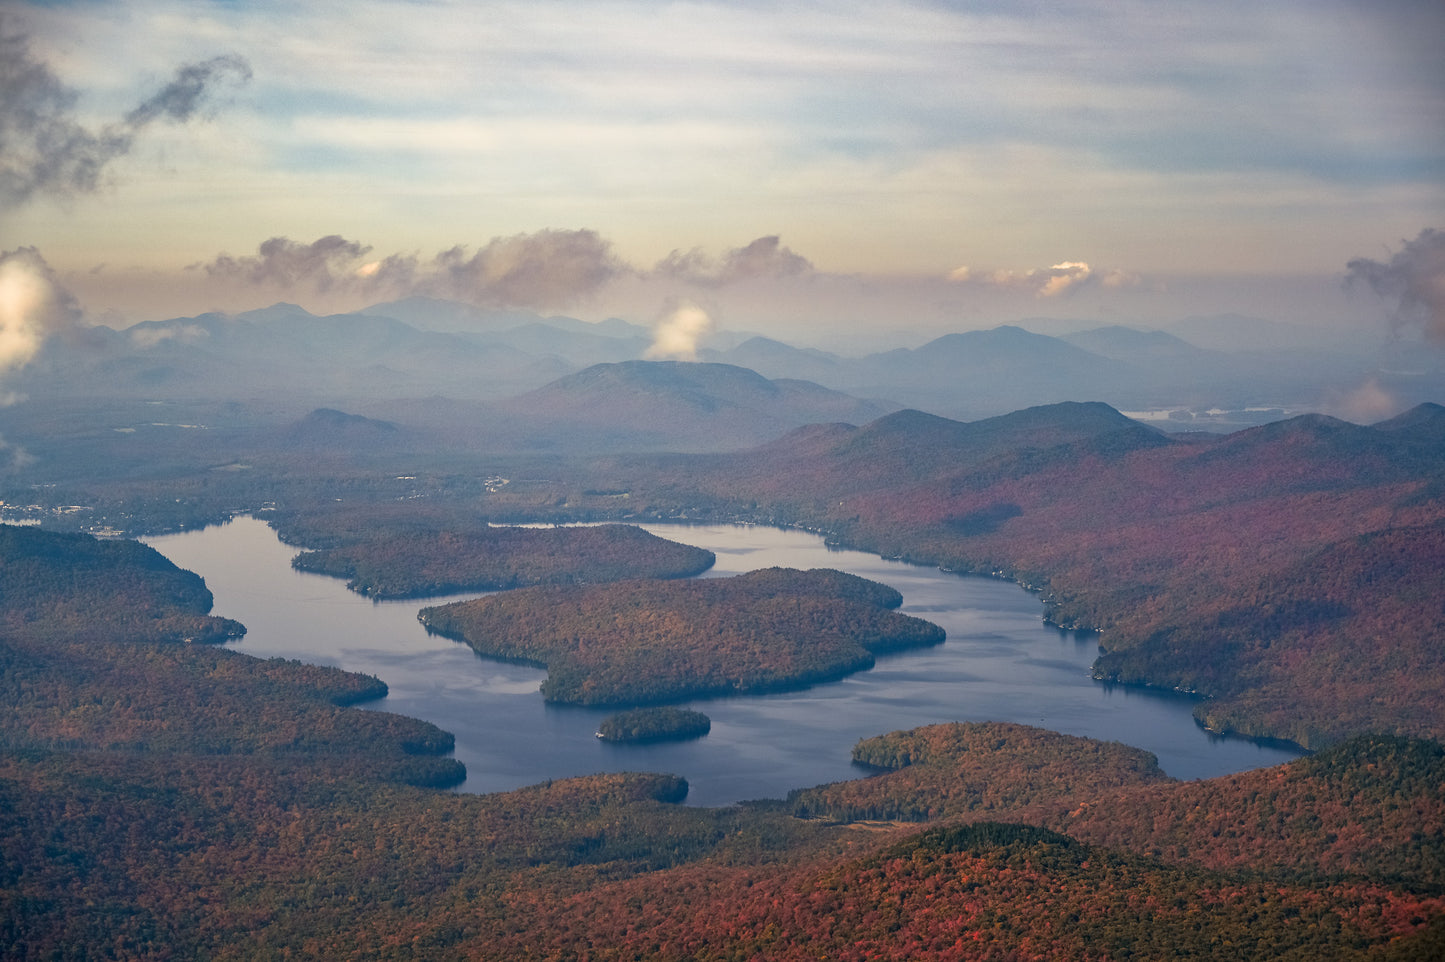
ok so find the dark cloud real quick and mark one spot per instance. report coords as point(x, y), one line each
point(547, 269)
point(1413, 280)
point(43, 150)
point(323, 264)
point(179, 99)
point(765, 257)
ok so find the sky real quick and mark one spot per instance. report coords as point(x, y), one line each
point(816, 171)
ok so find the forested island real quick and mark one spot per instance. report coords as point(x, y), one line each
point(656, 724)
point(426, 562)
point(640, 642)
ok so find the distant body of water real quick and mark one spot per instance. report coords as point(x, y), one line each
point(1000, 663)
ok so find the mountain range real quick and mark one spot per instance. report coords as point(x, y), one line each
point(283, 356)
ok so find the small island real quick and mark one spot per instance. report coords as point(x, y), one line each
point(641, 725)
point(636, 643)
point(399, 563)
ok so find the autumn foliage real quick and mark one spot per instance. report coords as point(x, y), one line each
point(425, 563)
point(161, 799)
point(635, 642)
point(1291, 574)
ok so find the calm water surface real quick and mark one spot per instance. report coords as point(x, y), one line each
point(1000, 663)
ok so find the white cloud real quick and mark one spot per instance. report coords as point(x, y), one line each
point(33, 305)
point(678, 333)
point(1061, 277)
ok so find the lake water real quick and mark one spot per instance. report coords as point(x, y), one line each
point(1000, 663)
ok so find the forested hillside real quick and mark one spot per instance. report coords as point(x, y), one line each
point(1291, 573)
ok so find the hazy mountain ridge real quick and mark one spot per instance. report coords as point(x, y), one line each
point(423, 347)
point(681, 406)
point(627, 406)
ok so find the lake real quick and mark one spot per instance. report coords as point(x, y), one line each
point(1000, 663)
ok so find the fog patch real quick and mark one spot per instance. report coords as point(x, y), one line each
point(1365, 404)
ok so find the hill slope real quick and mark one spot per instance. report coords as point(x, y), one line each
point(1248, 568)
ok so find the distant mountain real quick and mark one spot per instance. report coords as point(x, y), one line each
point(775, 359)
point(677, 405)
point(1128, 344)
point(912, 444)
point(282, 352)
point(291, 361)
point(1425, 420)
point(983, 373)
point(451, 317)
point(1236, 333)
point(576, 343)
point(980, 373)
point(327, 428)
point(614, 327)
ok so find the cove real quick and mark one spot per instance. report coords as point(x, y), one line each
point(1000, 663)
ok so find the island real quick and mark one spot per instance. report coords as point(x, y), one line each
point(398, 563)
point(657, 724)
point(648, 642)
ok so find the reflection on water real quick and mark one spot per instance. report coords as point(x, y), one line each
point(1000, 663)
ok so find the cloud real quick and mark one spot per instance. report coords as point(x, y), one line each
point(1414, 279)
point(282, 262)
point(542, 270)
point(1062, 277)
point(765, 257)
point(33, 305)
point(43, 150)
point(545, 269)
point(1066, 277)
point(181, 98)
point(1116, 278)
point(1364, 404)
point(13, 457)
point(147, 337)
point(678, 333)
